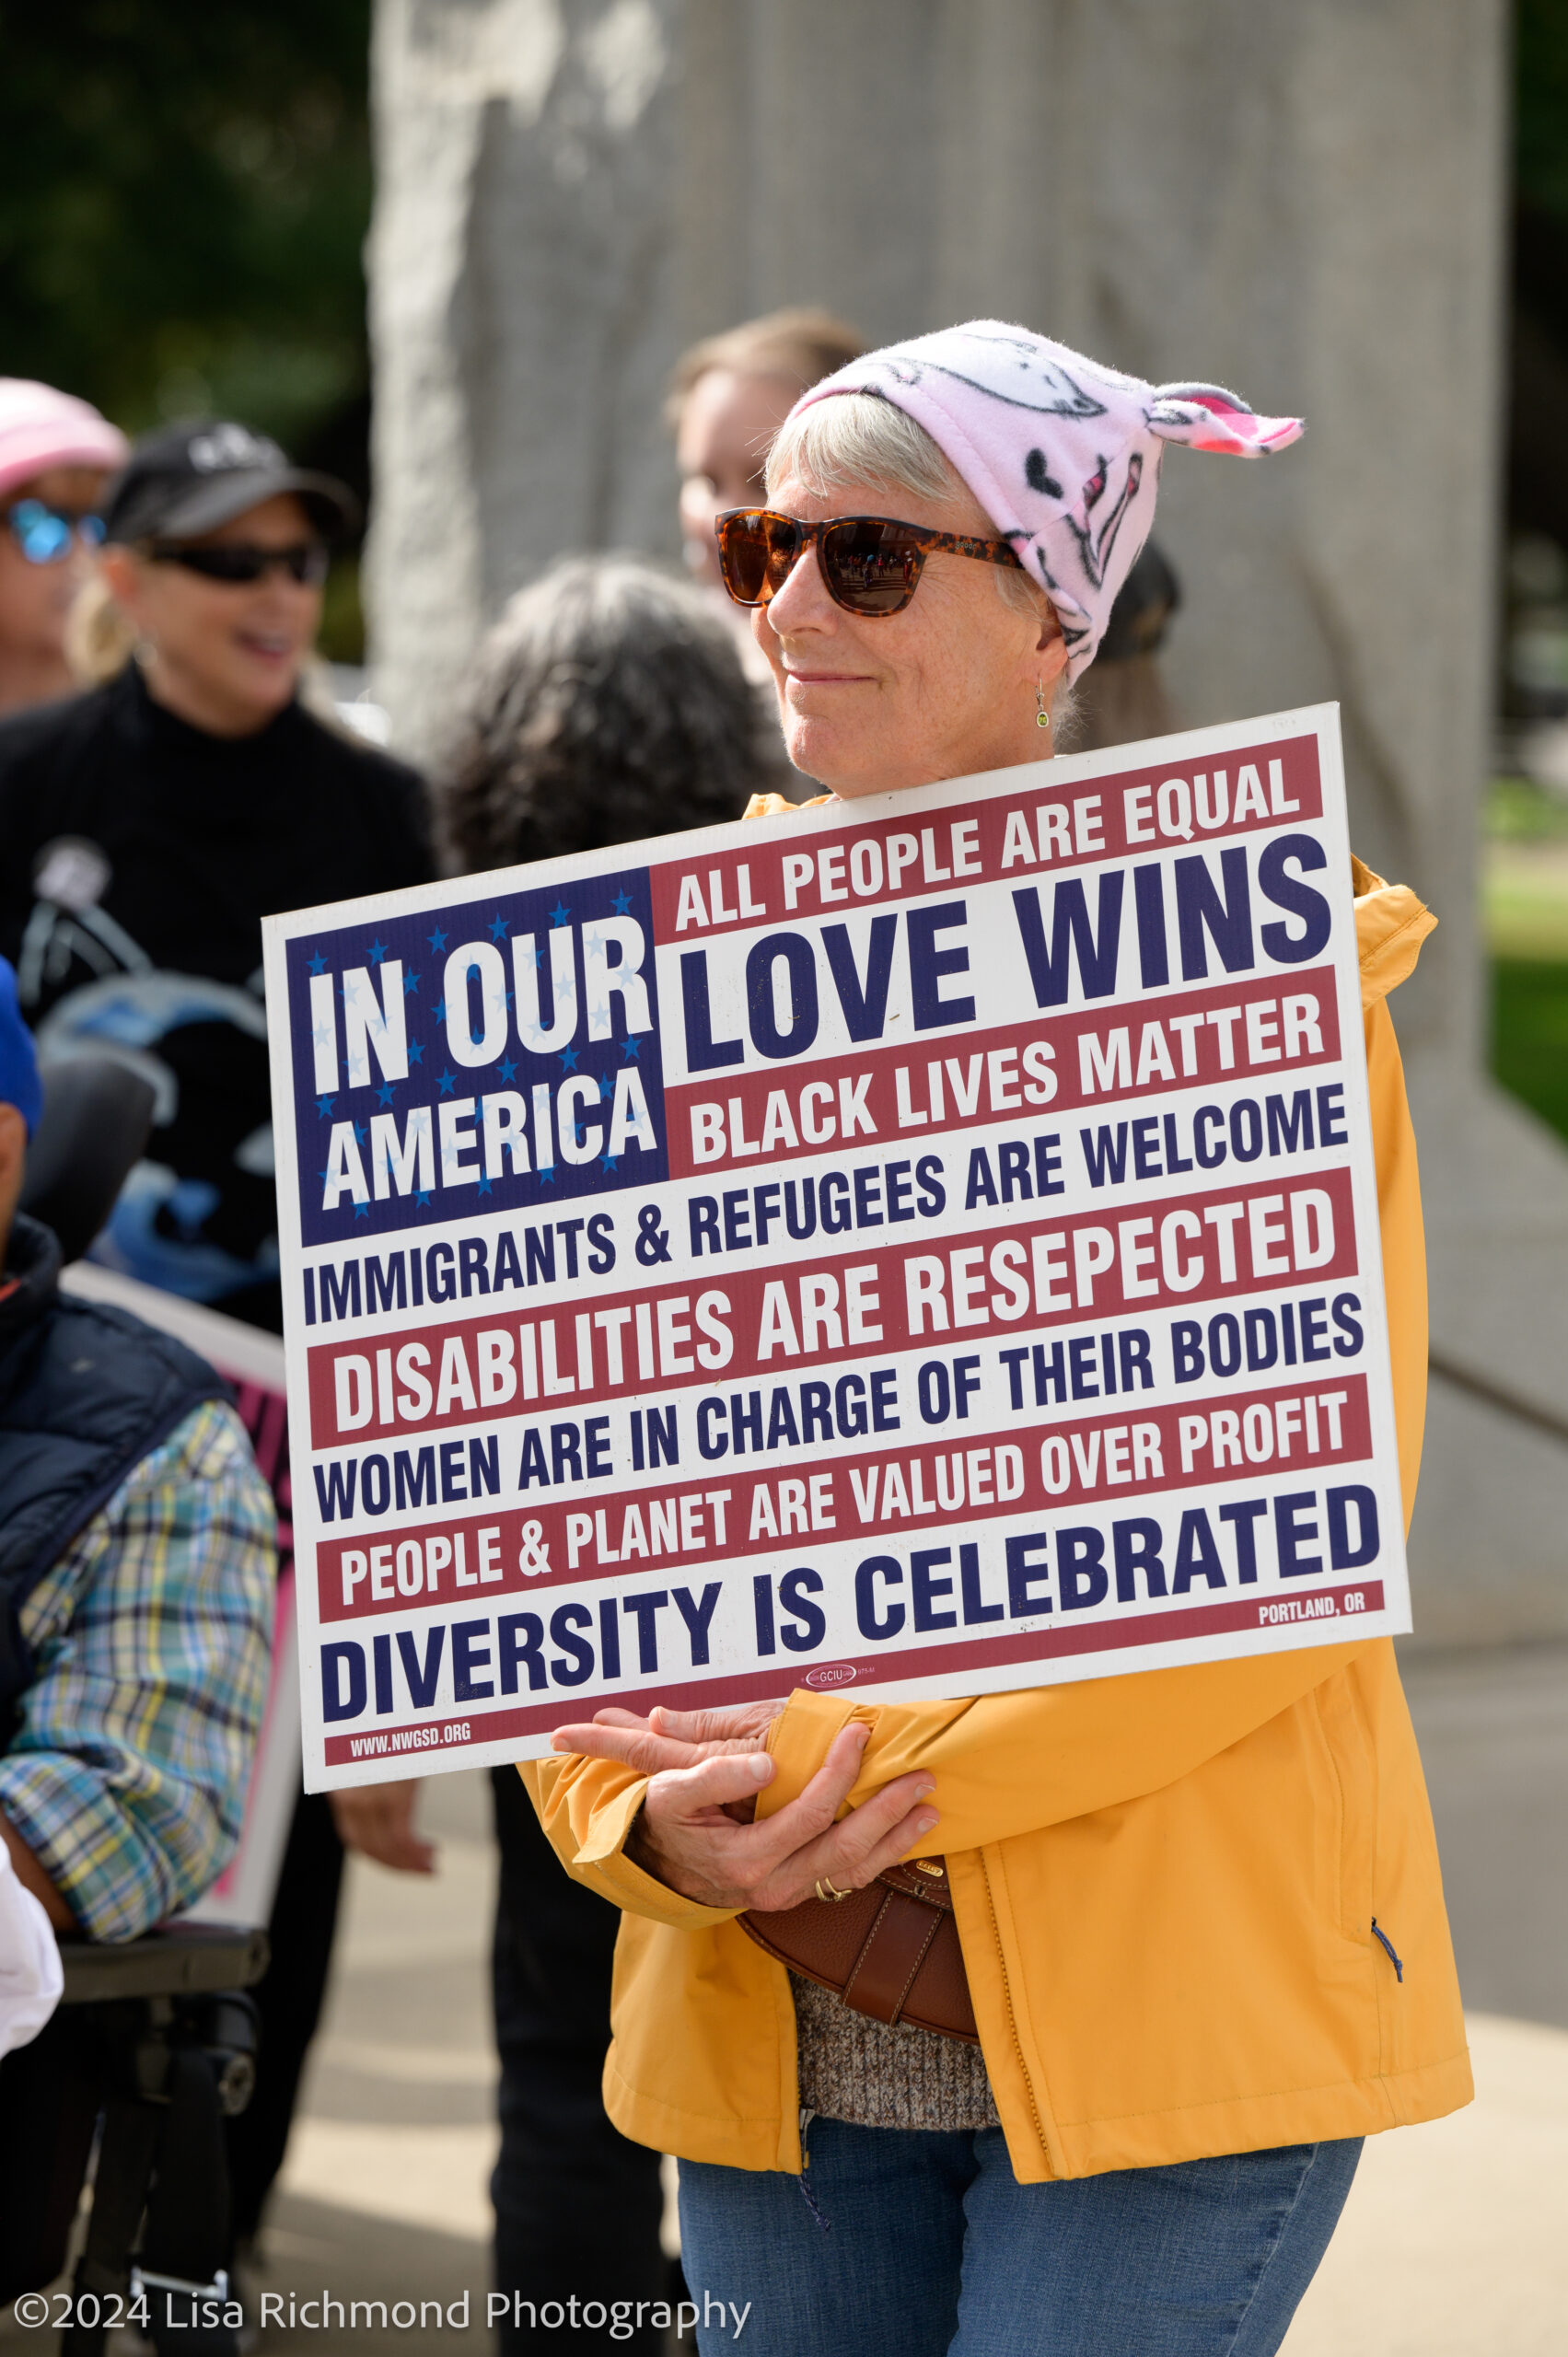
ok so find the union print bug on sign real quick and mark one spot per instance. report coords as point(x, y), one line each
point(927, 1245)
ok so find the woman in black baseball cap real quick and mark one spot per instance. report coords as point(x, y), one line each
point(147, 827)
point(215, 549)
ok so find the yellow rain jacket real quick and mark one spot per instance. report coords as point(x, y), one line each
point(1164, 1882)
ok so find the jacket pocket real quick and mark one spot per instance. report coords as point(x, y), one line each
point(1348, 1741)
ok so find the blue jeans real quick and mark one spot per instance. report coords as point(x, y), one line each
point(926, 2246)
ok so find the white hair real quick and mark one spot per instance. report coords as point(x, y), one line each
point(857, 440)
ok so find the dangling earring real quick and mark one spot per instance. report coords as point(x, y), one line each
point(1042, 710)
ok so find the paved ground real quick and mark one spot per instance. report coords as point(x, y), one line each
point(1452, 2245)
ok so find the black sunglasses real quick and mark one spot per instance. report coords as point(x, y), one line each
point(306, 564)
point(870, 564)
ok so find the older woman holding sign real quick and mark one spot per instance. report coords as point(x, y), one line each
point(1201, 1949)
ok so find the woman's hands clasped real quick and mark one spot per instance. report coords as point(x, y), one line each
point(697, 1831)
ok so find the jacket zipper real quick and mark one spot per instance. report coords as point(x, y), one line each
point(1381, 1936)
point(1012, 2018)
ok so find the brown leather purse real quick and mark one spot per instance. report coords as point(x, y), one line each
point(890, 1950)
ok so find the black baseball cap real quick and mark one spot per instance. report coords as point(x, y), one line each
point(184, 480)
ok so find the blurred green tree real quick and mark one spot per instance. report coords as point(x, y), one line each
point(1540, 105)
point(184, 194)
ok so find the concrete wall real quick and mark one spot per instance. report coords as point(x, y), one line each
point(1305, 202)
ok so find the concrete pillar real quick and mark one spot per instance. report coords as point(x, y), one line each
point(1305, 202)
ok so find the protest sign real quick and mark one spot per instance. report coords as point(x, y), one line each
point(925, 1245)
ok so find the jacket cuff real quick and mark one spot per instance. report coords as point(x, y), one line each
point(798, 1742)
point(603, 1863)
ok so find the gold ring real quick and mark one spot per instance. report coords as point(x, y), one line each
point(827, 1890)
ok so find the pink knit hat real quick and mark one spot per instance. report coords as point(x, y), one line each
point(1064, 455)
point(41, 428)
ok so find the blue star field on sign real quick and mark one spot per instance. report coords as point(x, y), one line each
point(361, 1054)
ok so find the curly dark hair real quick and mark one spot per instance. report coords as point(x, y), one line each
point(607, 704)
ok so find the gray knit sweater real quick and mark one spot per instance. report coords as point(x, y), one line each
point(876, 2074)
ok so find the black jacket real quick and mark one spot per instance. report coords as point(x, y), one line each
point(137, 858)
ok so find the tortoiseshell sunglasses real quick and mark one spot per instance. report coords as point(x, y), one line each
point(871, 564)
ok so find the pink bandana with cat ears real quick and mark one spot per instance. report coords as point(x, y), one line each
point(1064, 455)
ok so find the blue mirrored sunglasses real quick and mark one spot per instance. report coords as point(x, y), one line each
point(44, 534)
